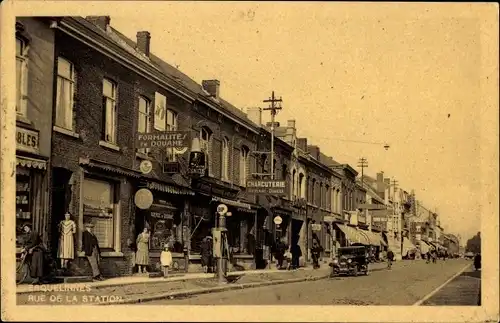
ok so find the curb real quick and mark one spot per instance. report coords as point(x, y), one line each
point(218, 289)
point(213, 290)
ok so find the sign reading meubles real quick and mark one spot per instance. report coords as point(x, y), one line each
point(166, 139)
point(266, 186)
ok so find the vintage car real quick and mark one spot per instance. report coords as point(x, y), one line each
point(350, 261)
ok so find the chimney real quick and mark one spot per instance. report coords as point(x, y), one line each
point(143, 42)
point(212, 87)
point(302, 143)
point(380, 177)
point(255, 115)
point(314, 151)
point(100, 21)
point(291, 123)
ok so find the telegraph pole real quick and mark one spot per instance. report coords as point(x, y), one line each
point(274, 110)
point(363, 163)
point(274, 107)
point(394, 183)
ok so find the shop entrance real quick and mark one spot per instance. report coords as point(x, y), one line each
point(295, 232)
point(61, 198)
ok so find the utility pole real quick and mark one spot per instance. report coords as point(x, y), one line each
point(363, 163)
point(394, 183)
point(274, 110)
point(274, 107)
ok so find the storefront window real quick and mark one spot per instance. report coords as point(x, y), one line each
point(23, 204)
point(165, 225)
point(240, 232)
point(99, 208)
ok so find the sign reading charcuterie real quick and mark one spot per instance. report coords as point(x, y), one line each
point(266, 186)
point(165, 139)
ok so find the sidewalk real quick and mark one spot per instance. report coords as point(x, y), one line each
point(139, 288)
point(464, 290)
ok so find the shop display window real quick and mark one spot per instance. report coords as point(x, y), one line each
point(23, 204)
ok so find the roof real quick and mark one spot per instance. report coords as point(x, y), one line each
point(181, 79)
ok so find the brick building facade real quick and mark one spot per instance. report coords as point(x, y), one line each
point(118, 89)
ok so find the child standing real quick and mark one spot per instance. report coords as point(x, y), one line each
point(166, 260)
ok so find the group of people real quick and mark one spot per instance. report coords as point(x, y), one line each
point(142, 254)
point(37, 257)
point(291, 254)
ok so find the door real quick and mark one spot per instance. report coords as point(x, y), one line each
point(61, 198)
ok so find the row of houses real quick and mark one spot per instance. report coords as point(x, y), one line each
point(84, 92)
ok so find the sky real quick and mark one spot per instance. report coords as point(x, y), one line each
point(406, 78)
point(403, 74)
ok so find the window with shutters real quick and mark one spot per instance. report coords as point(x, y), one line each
point(21, 77)
point(100, 208)
point(206, 147)
point(225, 159)
point(109, 111)
point(65, 94)
point(171, 125)
point(144, 120)
point(244, 165)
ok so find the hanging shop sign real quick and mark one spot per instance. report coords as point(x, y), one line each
point(316, 227)
point(266, 186)
point(164, 139)
point(143, 198)
point(197, 163)
point(146, 166)
point(27, 140)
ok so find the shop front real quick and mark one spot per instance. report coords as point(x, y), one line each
point(31, 186)
point(167, 223)
point(242, 225)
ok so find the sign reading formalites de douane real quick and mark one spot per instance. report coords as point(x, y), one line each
point(165, 139)
point(266, 186)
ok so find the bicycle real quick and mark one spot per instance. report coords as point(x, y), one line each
point(24, 267)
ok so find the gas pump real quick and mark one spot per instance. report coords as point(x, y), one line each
point(220, 243)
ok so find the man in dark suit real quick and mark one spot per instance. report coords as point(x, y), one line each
point(90, 247)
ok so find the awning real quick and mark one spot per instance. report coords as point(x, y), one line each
point(31, 162)
point(354, 235)
point(424, 246)
point(109, 168)
point(375, 238)
point(232, 203)
point(407, 246)
point(169, 188)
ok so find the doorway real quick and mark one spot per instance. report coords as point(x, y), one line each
point(295, 232)
point(61, 199)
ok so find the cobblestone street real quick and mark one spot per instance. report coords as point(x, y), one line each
point(405, 284)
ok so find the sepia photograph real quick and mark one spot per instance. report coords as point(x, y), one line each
point(196, 153)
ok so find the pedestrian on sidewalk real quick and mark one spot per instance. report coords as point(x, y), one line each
point(206, 254)
point(166, 259)
point(279, 252)
point(142, 254)
point(390, 258)
point(296, 254)
point(91, 250)
point(316, 252)
point(35, 254)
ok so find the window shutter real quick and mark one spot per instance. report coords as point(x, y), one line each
point(103, 118)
